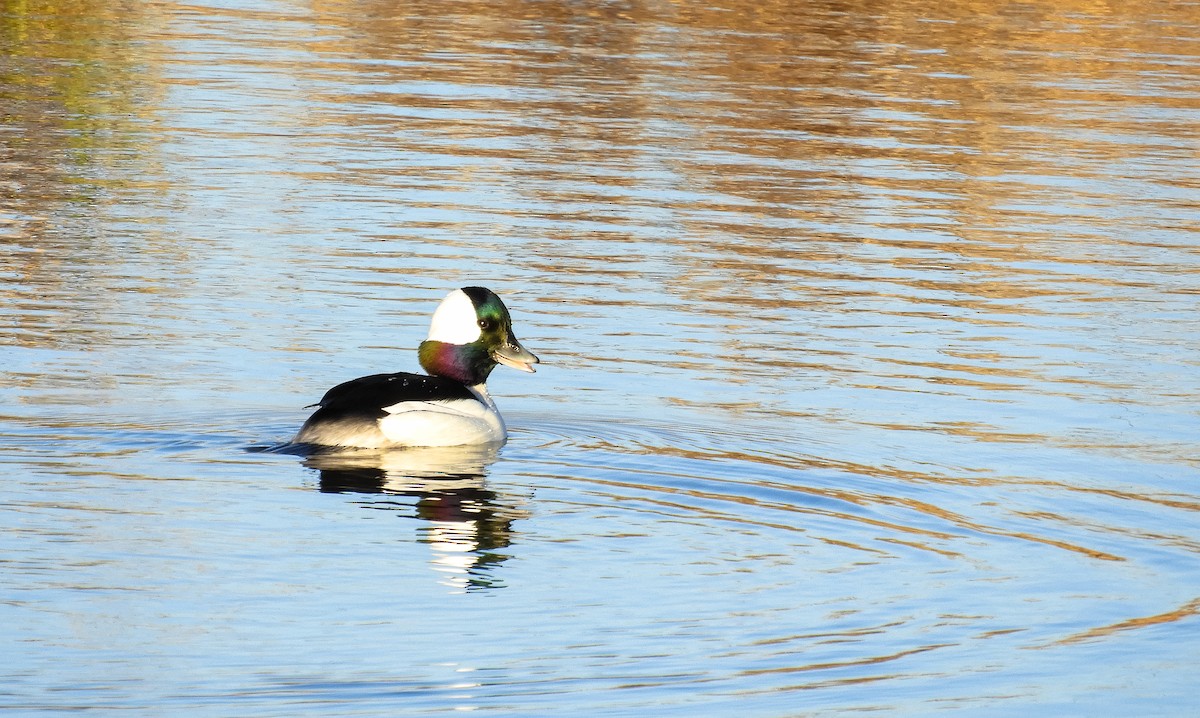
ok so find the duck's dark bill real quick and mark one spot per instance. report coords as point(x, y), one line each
point(515, 356)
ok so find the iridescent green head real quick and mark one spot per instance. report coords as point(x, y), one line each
point(470, 333)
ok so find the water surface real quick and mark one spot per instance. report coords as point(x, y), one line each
point(869, 337)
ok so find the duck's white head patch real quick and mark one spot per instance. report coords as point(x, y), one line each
point(455, 321)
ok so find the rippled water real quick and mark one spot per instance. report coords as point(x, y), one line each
point(869, 332)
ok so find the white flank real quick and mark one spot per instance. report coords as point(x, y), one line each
point(444, 423)
point(455, 322)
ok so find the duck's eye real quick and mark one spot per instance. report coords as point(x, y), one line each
point(486, 324)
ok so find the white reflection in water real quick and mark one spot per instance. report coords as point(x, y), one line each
point(466, 525)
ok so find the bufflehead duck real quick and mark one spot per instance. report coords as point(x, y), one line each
point(470, 333)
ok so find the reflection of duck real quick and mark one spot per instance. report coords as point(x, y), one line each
point(399, 469)
point(467, 522)
point(470, 333)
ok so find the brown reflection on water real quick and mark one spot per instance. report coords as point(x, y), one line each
point(968, 165)
point(71, 80)
point(73, 106)
point(963, 118)
point(958, 92)
point(1187, 611)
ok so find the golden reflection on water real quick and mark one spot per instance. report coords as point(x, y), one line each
point(1188, 610)
point(893, 158)
point(76, 102)
point(790, 128)
point(72, 80)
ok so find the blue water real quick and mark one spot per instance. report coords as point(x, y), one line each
point(869, 343)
